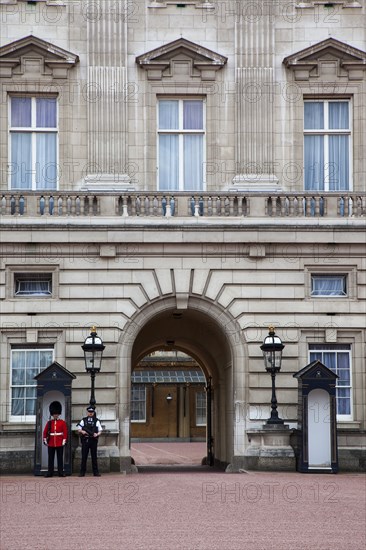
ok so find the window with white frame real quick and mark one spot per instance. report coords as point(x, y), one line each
point(26, 363)
point(33, 284)
point(328, 285)
point(201, 409)
point(327, 145)
point(181, 144)
point(33, 142)
point(138, 403)
point(337, 357)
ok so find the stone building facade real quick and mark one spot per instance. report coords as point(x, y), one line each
point(182, 176)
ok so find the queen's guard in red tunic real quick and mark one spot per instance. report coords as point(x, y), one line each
point(55, 437)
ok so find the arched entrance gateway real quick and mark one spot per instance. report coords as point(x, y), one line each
point(209, 336)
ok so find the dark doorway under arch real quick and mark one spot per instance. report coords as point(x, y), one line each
point(170, 410)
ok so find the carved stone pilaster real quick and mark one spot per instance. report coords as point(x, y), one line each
point(255, 102)
point(107, 98)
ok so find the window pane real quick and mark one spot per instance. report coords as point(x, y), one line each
point(193, 163)
point(168, 115)
point(46, 167)
point(46, 359)
point(200, 409)
point(338, 163)
point(21, 161)
point(46, 112)
point(33, 285)
point(343, 401)
point(17, 403)
point(18, 377)
point(21, 112)
point(314, 115)
point(338, 115)
point(339, 362)
point(168, 162)
point(314, 163)
point(323, 285)
point(193, 115)
point(30, 407)
point(138, 403)
point(26, 364)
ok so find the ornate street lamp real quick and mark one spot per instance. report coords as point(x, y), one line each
point(272, 352)
point(93, 350)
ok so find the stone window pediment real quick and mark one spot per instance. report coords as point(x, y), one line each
point(181, 58)
point(329, 55)
point(32, 54)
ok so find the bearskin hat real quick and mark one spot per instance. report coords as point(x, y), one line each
point(55, 408)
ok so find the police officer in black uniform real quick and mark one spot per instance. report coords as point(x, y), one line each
point(89, 429)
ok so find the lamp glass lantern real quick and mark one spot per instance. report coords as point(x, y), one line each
point(272, 353)
point(93, 351)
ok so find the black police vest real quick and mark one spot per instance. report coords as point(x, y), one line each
point(90, 425)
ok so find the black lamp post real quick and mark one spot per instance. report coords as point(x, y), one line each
point(272, 352)
point(93, 350)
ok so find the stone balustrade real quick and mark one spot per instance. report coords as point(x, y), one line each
point(183, 204)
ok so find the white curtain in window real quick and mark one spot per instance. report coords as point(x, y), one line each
point(338, 163)
point(25, 365)
point(21, 161)
point(338, 115)
point(313, 115)
point(168, 162)
point(327, 286)
point(46, 112)
point(46, 167)
point(193, 115)
point(168, 115)
point(193, 163)
point(339, 363)
point(314, 163)
point(21, 112)
point(35, 286)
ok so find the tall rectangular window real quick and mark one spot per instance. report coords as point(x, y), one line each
point(337, 357)
point(33, 142)
point(25, 365)
point(138, 403)
point(327, 145)
point(201, 409)
point(181, 141)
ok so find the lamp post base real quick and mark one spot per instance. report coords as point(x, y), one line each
point(275, 421)
point(270, 448)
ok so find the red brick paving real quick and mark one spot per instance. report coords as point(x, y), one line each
point(190, 510)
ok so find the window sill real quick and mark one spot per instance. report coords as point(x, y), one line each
point(348, 425)
point(18, 426)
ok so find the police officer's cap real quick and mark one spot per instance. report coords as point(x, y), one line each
point(90, 409)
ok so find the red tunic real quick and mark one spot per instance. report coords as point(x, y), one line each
point(58, 433)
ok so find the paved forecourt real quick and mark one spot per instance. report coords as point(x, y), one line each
point(192, 509)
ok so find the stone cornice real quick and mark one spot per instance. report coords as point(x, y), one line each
point(57, 60)
point(309, 60)
point(205, 61)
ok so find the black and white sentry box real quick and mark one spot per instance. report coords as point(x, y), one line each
point(53, 384)
point(317, 419)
